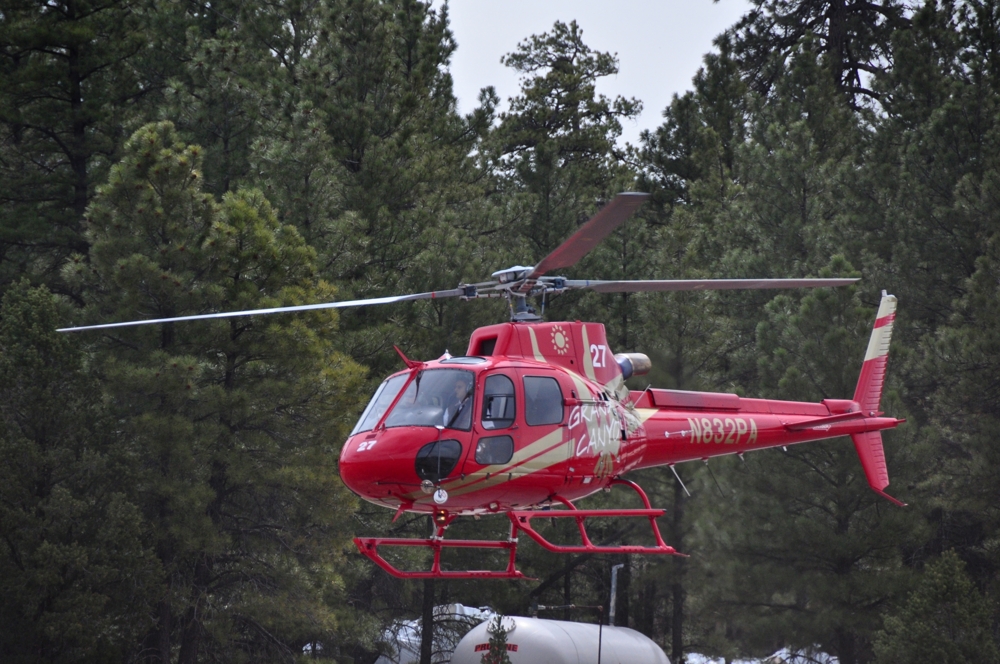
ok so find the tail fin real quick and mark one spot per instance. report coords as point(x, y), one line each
point(869, 390)
point(868, 394)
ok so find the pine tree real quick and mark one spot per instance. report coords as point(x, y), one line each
point(234, 80)
point(399, 205)
point(925, 174)
point(497, 654)
point(77, 576)
point(944, 620)
point(235, 424)
point(69, 77)
point(813, 552)
point(965, 413)
point(377, 84)
point(555, 148)
point(854, 38)
point(935, 169)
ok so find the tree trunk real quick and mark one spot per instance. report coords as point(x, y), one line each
point(156, 645)
point(645, 621)
point(846, 646)
point(192, 629)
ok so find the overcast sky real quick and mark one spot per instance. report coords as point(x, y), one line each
point(660, 44)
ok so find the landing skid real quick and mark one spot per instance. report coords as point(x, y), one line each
point(369, 546)
point(520, 520)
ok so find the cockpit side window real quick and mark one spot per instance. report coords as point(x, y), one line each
point(384, 396)
point(543, 401)
point(498, 402)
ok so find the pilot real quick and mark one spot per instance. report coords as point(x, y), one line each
point(458, 412)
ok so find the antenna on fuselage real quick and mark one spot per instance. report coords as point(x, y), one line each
point(679, 480)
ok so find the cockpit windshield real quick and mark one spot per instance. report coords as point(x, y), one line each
point(436, 397)
point(380, 403)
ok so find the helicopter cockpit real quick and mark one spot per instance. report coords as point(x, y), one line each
point(435, 397)
point(456, 418)
point(432, 398)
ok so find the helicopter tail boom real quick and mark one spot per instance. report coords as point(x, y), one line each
point(682, 426)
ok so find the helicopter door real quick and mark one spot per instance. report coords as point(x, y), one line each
point(495, 445)
point(544, 415)
point(543, 401)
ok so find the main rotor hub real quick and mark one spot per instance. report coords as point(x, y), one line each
point(520, 312)
point(512, 274)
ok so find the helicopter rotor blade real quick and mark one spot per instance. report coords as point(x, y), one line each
point(430, 295)
point(588, 236)
point(702, 284)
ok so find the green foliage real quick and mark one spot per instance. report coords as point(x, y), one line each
point(812, 350)
point(233, 425)
point(220, 100)
point(934, 158)
point(823, 553)
point(68, 76)
point(153, 196)
point(75, 568)
point(966, 405)
point(378, 86)
point(698, 138)
point(944, 620)
point(854, 38)
point(397, 203)
point(555, 147)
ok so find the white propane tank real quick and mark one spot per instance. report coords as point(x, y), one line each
point(534, 640)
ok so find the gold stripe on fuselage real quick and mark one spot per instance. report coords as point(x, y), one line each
point(534, 346)
point(582, 389)
point(588, 361)
point(644, 413)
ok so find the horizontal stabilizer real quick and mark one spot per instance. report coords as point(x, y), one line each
point(824, 421)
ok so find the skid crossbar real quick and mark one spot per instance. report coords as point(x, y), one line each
point(369, 547)
point(520, 520)
point(523, 521)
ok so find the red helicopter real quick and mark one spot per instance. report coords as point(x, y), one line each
point(536, 415)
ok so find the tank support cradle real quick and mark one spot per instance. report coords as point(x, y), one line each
point(520, 520)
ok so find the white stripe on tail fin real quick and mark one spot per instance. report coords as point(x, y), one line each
point(869, 393)
point(869, 390)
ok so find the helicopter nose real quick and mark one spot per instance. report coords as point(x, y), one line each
point(359, 466)
point(378, 465)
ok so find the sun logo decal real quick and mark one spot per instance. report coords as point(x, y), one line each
point(560, 340)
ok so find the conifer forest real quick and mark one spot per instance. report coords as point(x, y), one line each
point(169, 493)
